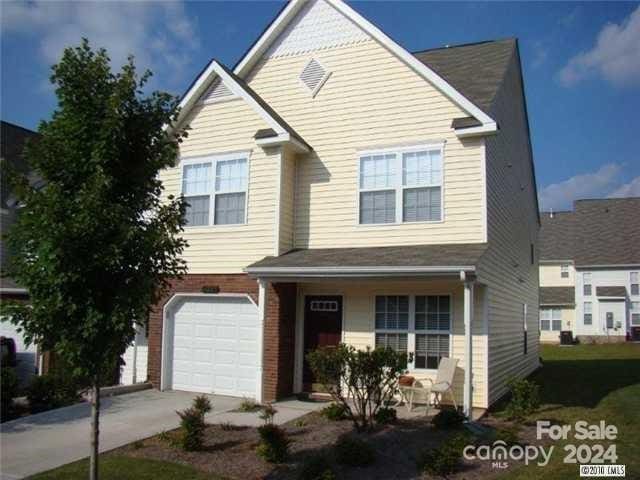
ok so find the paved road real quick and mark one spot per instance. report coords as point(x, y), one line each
point(47, 440)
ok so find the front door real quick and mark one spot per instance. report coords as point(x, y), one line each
point(322, 328)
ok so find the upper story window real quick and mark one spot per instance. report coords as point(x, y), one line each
point(635, 283)
point(401, 186)
point(564, 270)
point(215, 191)
point(586, 284)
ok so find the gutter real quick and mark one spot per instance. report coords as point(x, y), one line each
point(356, 271)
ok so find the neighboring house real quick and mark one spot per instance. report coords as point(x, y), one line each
point(12, 141)
point(589, 271)
point(342, 189)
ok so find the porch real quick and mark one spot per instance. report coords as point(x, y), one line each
point(429, 312)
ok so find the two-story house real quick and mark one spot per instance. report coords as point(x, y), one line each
point(590, 271)
point(343, 189)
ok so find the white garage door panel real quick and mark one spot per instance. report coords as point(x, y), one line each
point(215, 346)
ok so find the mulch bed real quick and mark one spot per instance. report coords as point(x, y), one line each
point(230, 451)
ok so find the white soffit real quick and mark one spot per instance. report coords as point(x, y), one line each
point(316, 26)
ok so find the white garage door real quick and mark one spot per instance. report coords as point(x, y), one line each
point(216, 346)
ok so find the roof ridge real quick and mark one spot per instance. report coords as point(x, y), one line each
point(469, 44)
point(606, 199)
point(15, 125)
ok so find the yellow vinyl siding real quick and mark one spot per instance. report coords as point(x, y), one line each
point(371, 100)
point(550, 276)
point(512, 226)
point(359, 321)
point(221, 128)
point(287, 195)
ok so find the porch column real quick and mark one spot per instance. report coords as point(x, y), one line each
point(262, 316)
point(468, 347)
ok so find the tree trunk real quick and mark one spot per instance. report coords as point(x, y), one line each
point(95, 431)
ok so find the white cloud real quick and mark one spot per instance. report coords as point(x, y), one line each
point(631, 189)
point(560, 196)
point(540, 54)
point(615, 56)
point(160, 35)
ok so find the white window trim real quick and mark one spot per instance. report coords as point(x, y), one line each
point(631, 283)
point(634, 311)
point(411, 330)
point(564, 268)
point(550, 319)
point(584, 283)
point(584, 312)
point(213, 159)
point(398, 186)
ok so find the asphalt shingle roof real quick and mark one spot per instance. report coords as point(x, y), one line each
point(556, 237)
point(611, 291)
point(475, 70)
point(557, 296)
point(401, 256)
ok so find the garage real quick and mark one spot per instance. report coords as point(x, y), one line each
point(212, 345)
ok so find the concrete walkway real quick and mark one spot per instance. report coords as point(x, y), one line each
point(47, 440)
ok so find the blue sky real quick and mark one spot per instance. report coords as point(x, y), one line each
point(581, 66)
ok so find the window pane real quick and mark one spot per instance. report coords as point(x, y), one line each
point(587, 307)
point(587, 290)
point(635, 289)
point(635, 318)
point(196, 179)
point(396, 341)
point(376, 171)
point(378, 207)
point(556, 314)
point(545, 314)
point(544, 325)
point(392, 313)
point(587, 319)
point(231, 175)
point(437, 315)
point(557, 325)
point(421, 204)
point(197, 212)
point(430, 349)
point(229, 208)
point(421, 168)
point(635, 277)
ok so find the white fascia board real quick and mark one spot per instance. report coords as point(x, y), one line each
point(280, 23)
point(14, 290)
point(282, 139)
point(355, 271)
point(484, 129)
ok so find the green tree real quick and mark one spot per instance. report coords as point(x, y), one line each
point(97, 244)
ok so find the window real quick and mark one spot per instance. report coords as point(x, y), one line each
point(564, 270)
point(550, 319)
point(402, 186)
point(422, 321)
point(586, 284)
point(588, 319)
point(635, 313)
point(635, 283)
point(324, 306)
point(221, 184)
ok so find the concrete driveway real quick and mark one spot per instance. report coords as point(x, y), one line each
point(47, 440)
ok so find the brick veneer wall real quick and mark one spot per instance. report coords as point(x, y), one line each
point(279, 328)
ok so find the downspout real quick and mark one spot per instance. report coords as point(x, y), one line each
point(468, 345)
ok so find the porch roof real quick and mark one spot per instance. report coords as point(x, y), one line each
point(406, 259)
point(615, 291)
point(560, 296)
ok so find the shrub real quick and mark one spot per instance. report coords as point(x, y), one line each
point(316, 467)
point(249, 405)
point(202, 404)
point(447, 418)
point(52, 390)
point(300, 423)
point(444, 459)
point(354, 452)
point(192, 423)
point(361, 380)
point(274, 444)
point(525, 398)
point(267, 413)
point(334, 412)
point(9, 390)
point(386, 415)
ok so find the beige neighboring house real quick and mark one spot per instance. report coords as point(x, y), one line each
point(590, 271)
point(343, 189)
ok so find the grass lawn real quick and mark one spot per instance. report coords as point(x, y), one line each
point(116, 467)
point(591, 383)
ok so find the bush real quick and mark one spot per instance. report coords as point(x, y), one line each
point(52, 390)
point(274, 444)
point(249, 405)
point(202, 404)
point(525, 398)
point(447, 418)
point(354, 452)
point(316, 467)
point(192, 424)
point(334, 412)
point(267, 413)
point(444, 459)
point(386, 415)
point(362, 381)
point(9, 390)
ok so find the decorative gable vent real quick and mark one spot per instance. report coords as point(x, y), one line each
point(218, 92)
point(314, 76)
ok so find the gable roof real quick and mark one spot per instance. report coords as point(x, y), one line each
point(476, 70)
point(282, 130)
point(289, 12)
point(599, 232)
